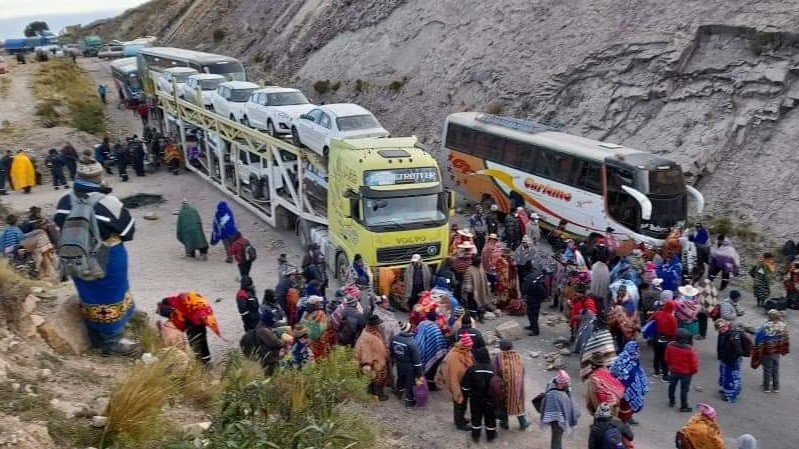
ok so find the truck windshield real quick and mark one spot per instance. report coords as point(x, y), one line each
point(404, 212)
point(356, 122)
point(286, 99)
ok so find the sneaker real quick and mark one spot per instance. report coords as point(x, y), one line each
point(504, 425)
point(664, 379)
point(686, 409)
point(776, 390)
point(671, 405)
point(532, 334)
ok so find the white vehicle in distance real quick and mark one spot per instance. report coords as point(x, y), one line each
point(275, 109)
point(174, 76)
point(231, 97)
point(200, 88)
point(335, 121)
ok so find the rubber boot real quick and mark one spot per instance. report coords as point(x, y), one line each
point(523, 423)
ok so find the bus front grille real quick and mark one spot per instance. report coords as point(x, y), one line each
point(402, 254)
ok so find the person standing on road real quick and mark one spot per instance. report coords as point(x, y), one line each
point(628, 370)
point(122, 158)
point(372, 353)
point(244, 254)
point(70, 158)
point(606, 432)
point(144, 113)
point(104, 155)
point(405, 353)
point(771, 342)
point(732, 345)
point(477, 223)
point(683, 363)
point(56, 164)
point(509, 366)
point(535, 294)
point(101, 91)
point(23, 173)
point(762, 274)
point(453, 367)
point(417, 280)
point(224, 229)
point(190, 232)
point(724, 259)
point(137, 154)
point(483, 401)
point(665, 331)
point(558, 410)
point(708, 300)
point(702, 431)
point(247, 303)
point(729, 309)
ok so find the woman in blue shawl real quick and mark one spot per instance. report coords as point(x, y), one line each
point(627, 368)
point(671, 273)
point(224, 229)
point(432, 346)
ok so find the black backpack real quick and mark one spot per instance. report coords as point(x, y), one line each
point(790, 250)
point(612, 438)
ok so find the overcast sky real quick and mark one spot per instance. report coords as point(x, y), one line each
point(27, 8)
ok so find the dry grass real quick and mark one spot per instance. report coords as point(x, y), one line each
point(58, 85)
point(14, 287)
point(5, 86)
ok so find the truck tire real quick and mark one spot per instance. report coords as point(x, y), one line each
point(304, 232)
point(341, 266)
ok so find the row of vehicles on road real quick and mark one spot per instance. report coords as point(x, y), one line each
point(256, 137)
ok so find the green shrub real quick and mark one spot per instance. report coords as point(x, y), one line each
point(496, 108)
point(397, 85)
point(88, 116)
point(322, 86)
point(360, 85)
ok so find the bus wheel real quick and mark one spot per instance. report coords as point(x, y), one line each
point(341, 266)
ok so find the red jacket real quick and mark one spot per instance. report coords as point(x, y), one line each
point(666, 321)
point(237, 249)
point(682, 359)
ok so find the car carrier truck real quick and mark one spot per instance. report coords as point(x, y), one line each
point(382, 198)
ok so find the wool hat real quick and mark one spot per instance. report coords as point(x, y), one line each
point(466, 320)
point(374, 320)
point(563, 378)
point(603, 411)
point(89, 169)
point(735, 294)
point(493, 236)
point(246, 282)
point(416, 258)
point(404, 327)
point(505, 345)
point(351, 299)
point(747, 441)
point(666, 295)
point(774, 315)
point(466, 340)
point(707, 410)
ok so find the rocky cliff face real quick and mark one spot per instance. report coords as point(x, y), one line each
point(712, 84)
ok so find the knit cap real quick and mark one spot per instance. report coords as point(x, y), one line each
point(666, 295)
point(603, 411)
point(707, 410)
point(466, 340)
point(563, 378)
point(89, 169)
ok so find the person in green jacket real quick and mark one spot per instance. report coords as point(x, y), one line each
point(190, 231)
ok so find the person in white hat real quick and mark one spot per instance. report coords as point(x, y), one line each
point(417, 280)
point(687, 309)
point(461, 236)
point(533, 229)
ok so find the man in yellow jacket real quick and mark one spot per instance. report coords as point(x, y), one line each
point(23, 174)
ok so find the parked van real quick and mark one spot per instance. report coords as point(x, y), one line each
point(275, 109)
point(231, 97)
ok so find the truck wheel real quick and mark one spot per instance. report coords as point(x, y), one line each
point(270, 128)
point(342, 265)
point(295, 137)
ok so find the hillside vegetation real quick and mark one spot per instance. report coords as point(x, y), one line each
point(66, 95)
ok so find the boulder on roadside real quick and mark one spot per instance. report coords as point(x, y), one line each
point(64, 329)
point(510, 330)
point(71, 409)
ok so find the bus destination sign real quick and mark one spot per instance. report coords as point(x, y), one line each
point(400, 176)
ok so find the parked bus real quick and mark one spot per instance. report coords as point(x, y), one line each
point(126, 77)
point(159, 58)
point(590, 184)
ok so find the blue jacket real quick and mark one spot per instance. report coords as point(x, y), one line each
point(224, 224)
point(11, 237)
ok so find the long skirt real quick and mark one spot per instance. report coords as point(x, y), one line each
point(730, 379)
point(106, 303)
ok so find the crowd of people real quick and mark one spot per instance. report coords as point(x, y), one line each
point(616, 299)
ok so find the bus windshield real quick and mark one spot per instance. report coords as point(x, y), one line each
point(664, 182)
point(404, 212)
point(233, 71)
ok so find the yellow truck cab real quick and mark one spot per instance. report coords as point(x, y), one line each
point(386, 201)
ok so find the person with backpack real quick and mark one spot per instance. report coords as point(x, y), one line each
point(247, 304)
point(190, 232)
point(683, 363)
point(405, 354)
point(243, 253)
point(94, 227)
point(608, 433)
point(731, 346)
point(224, 229)
point(476, 384)
point(557, 408)
point(702, 431)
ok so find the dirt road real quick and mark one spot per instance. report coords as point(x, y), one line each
point(158, 268)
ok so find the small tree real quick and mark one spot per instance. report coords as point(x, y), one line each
point(35, 28)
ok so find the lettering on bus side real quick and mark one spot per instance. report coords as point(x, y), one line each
point(460, 164)
point(535, 186)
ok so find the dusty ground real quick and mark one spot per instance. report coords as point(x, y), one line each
point(159, 268)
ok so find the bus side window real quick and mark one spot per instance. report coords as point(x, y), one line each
point(514, 154)
point(460, 138)
point(562, 167)
point(589, 176)
point(488, 146)
point(546, 164)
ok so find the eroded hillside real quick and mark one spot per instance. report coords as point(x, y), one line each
point(710, 83)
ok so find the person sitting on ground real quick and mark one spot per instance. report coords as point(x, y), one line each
point(173, 157)
point(607, 432)
point(11, 237)
point(190, 231)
